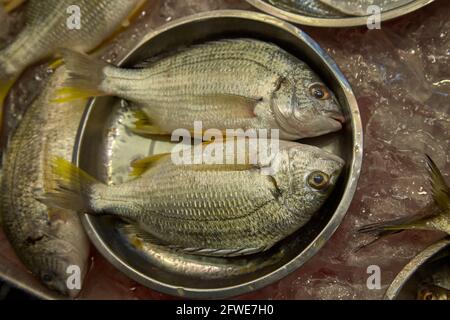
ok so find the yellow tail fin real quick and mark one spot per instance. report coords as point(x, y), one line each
point(67, 186)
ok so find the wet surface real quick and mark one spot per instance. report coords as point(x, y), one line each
point(401, 78)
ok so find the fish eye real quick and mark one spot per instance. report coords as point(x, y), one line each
point(47, 277)
point(318, 180)
point(319, 91)
point(428, 296)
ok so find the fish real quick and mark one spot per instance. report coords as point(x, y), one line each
point(437, 221)
point(432, 292)
point(204, 268)
point(207, 209)
point(361, 7)
point(313, 8)
point(227, 84)
point(53, 24)
point(47, 240)
point(441, 276)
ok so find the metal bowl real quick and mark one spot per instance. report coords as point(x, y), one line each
point(105, 149)
point(333, 21)
point(405, 284)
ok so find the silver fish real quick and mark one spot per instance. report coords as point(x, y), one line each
point(49, 27)
point(47, 240)
point(309, 7)
point(205, 268)
point(218, 210)
point(361, 7)
point(227, 84)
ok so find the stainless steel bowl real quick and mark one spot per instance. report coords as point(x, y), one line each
point(405, 284)
point(105, 149)
point(333, 21)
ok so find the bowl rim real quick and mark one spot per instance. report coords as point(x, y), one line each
point(313, 247)
point(335, 22)
point(410, 269)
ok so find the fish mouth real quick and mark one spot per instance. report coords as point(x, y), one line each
point(339, 117)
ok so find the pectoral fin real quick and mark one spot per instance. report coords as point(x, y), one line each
point(143, 125)
point(239, 106)
point(142, 165)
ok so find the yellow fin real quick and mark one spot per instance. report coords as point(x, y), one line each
point(56, 64)
point(68, 172)
point(64, 95)
point(134, 13)
point(441, 191)
point(10, 5)
point(144, 126)
point(142, 165)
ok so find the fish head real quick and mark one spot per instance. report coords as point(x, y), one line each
point(62, 267)
point(433, 293)
point(306, 176)
point(305, 107)
point(60, 256)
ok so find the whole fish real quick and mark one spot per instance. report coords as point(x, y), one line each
point(51, 24)
point(309, 7)
point(431, 292)
point(205, 209)
point(205, 268)
point(361, 7)
point(227, 84)
point(47, 240)
point(438, 221)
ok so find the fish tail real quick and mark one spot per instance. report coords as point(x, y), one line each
point(67, 187)
point(84, 77)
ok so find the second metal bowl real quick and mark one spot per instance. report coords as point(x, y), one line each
point(334, 22)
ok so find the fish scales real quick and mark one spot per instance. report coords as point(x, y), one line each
point(225, 84)
point(209, 207)
point(47, 30)
point(45, 239)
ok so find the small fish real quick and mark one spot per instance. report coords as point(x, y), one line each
point(309, 7)
point(205, 268)
point(50, 25)
point(361, 7)
point(431, 292)
point(212, 210)
point(47, 240)
point(227, 84)
point(439, 221)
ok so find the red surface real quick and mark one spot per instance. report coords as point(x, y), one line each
point(400, 75)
